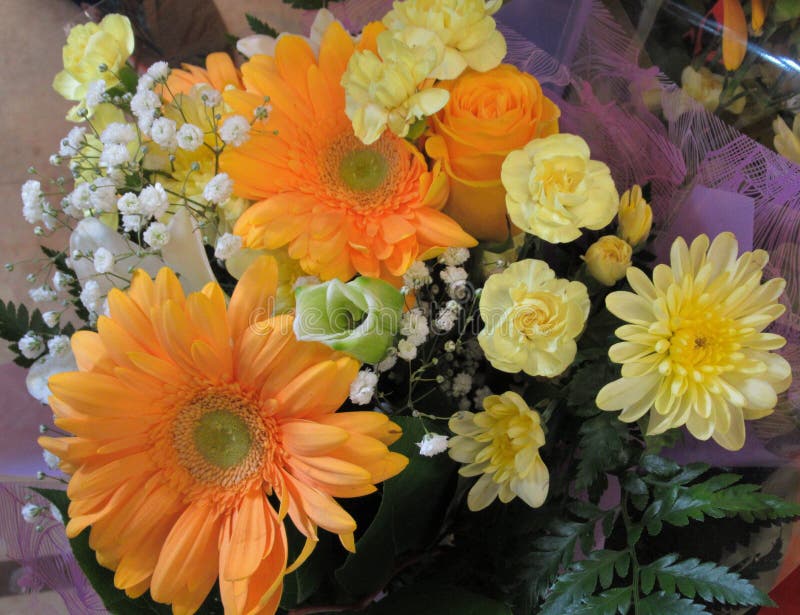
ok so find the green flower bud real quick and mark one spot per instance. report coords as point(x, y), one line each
point(360, 318)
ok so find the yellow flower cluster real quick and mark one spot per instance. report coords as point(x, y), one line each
point(384, 91)
point(694, 351)
point(501, 445)
point(465, 27)
point(94, 52)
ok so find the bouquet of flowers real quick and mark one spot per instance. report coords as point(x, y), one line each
point(355, 327)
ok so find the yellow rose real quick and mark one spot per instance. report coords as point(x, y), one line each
point(90, 46)
point(488, 115)
point(607, 259)
point(553, 189)
point(531, 319)
point(706, 88)
point(635, 217)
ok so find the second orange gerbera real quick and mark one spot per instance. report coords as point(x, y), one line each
point(187, 418)
point(340, 206)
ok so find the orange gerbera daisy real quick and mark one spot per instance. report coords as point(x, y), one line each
point(186, 417)
point(219, 73)
point(340, 206)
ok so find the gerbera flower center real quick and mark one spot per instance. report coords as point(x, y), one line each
point(221, 438)
point(361, 175)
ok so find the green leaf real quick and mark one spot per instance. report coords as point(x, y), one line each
point(659, 466)
point(15, 322)
point(309, 5)
point(582, 578)
point(705, 579)
point(425, 599)
point(102, 579)
point(786, 10)
point(668, 604)
point(717, 497)
point(603, 448)
point(616, 600)
point(408, 517)
point(556, 548)
point(260, 27)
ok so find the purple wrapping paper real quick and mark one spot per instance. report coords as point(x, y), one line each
point(20, 417)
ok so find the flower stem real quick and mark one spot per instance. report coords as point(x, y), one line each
point(629, 531)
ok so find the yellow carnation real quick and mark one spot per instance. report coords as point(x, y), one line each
point(501, 445)
point(381, 92)
point(694, 352)
point(553, 189)
point(635, 217)
point(465, 27)
point(787, 142)
point(607, 259)
point(531, 319)
point(90, 46)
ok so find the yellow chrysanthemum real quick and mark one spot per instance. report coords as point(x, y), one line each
point(465, 27)
point(553, 188)
point(531, 319)
point(187, 417)
point(694, 352)
point(501, 444)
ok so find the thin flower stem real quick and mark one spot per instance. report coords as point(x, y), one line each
point(632, 551)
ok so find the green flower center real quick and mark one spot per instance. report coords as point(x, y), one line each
point(222, 438)
point(363, 169)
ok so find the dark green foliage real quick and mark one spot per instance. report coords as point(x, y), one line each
point(611, 602)
point(583, 577)
point(309, 5)
point(15, 322)
point(260, 27)
point(707, 580)
point(663, 603)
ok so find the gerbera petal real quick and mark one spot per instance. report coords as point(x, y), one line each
point(253, 293)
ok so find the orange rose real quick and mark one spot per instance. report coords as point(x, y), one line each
point(488, 115)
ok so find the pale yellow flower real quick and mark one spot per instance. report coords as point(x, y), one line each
point(531, 319)
point(787, 142)
point(635, 217)
point(289, 273)
point(90, 46)
point(501, 445)
point(553, 189)
point(694, 352)
point(706, 88)
point(607, 259)
point(465, 27)
point(383, 92)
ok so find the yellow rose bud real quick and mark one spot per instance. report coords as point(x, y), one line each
point(635, 217)
point(94, 52)
point(607, 259)
point(488, 115)
point(553, 189)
